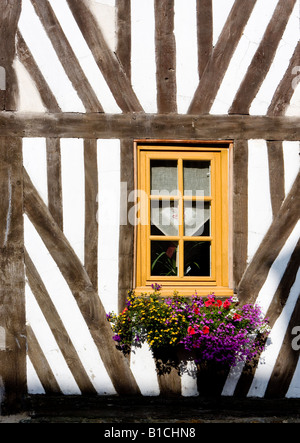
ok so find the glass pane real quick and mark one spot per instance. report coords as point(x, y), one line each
point(197, 259)
point(196, 178)
point(197, 218)
point(164, 258)
point(164, 217)
point(164, 179)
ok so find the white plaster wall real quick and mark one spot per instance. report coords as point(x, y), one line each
point(259, 202)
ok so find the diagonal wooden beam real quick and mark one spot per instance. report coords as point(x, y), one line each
point(219, 61)
point(10, 11)
point(165, 49)
point(263, 58)
point(286, 88)
point(41, 365)
point(67, 56)
point(286, 362)
point(58, 329)
point(84, 293)
point(30, 64)
point(108, 63)
point(281, 228)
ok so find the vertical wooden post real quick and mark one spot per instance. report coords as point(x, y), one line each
point(12, 279)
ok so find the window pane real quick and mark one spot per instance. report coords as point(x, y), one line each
point(196, 178)
point(197, 259)
point(164, 217)
point(197, 217)
point(164, 177)
point(164, 258)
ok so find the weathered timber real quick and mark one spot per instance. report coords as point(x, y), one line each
point(12, 279)
point(286, 362)
point(106, 60)
point(123, 48)
point(30, 64)
point(54, 180)
point(59, 332)
point(286, 87)
point(67, 56)
point(276, 175)
point(271, 245)
point(41, 365)
point(165, 49)
point(220, 58)
point(275, 309)
point(205, 33)
point(126, 241)
point(10, 11)
point(263, 58)
point(91, 211)
point(152, 126)
point(240, 209)
point(83, 291)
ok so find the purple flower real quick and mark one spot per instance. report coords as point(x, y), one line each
point(117, 338)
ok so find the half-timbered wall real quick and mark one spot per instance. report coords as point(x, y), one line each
point(87, 78)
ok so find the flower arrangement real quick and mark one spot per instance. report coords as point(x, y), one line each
point(208, 328)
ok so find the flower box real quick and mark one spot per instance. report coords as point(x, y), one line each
point(177, 329)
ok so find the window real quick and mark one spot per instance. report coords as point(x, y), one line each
point(182, 229)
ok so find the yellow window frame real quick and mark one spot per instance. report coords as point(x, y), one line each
point(219, 280)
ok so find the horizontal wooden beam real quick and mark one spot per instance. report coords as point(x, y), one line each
point(152, 126)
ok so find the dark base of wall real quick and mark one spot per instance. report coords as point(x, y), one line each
point(149, 409)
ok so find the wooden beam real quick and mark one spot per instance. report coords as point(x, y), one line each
point(285, 89)
point(205, 33)
point(286, 362)
point(165, 49)
point(106, 60)
point(34, 71)
point(10, 11)
point(123, 49)
point(278, 233)
point(220, 58)
point(263, 58)
point(240, 209)
point(276, 175)
point(87, 298)
point(149, 126)
point(91, 211)
point(12, 278)
point(41, 365)
point(67, 56)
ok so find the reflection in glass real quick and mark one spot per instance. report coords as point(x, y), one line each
point(164, 177)
point(164, 258)
point(196, 178)
point(164, 217)
point(197, 218)
point(197, 259)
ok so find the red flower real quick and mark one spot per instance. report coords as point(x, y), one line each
point(191, 331)
point(205, 330)
point(208, 303)
point(226, 304)
point(237, 317)
point(218, 303)
point(197, 311)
